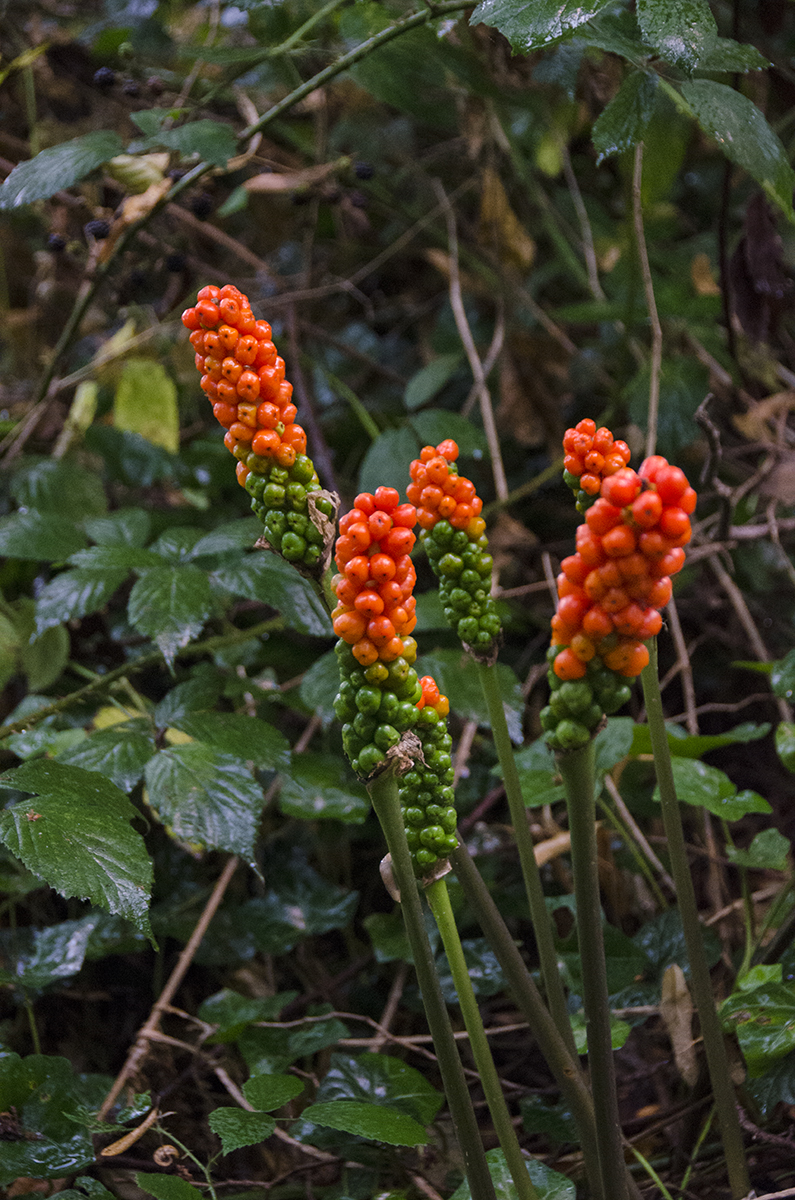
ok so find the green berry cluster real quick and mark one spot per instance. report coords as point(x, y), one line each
point(463, 568)
point(577, 706)
point(427, 797)
point(376, 704)
point(280, 497)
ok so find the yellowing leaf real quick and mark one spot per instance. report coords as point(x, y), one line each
point(110, 715)
point(701, 274)
point(146, 403)
point(175, 737)
point(500, 227)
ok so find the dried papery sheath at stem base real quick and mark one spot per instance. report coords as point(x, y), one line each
point(243, 378)
point(454, 537)
point(611, 591)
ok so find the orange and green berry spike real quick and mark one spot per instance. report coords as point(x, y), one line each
point(590, 455)
point(454, 537)
point(243, 378)
point(426, 791)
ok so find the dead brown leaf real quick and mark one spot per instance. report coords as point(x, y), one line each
point(500, 229)
point(676, 1009)
point(292, 181)
point(702, 278)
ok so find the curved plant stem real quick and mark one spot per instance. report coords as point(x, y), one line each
point(711, 1032)
point(564, 1067)
point(384, 795)
point(439, 901)
point(577, 769)
point(542, 924)
point(651, 304)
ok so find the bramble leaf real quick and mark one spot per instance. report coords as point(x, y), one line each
point(58, 167)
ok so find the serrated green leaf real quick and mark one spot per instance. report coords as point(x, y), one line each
point(268, 1092)
point(205, 797)
point(614, 30)
point(745, 137)
point(196, 694)
point(42, 537)
point(318, 788)
point(47, 1096)
point(237, 1128)
point(170, 605)
point(768, 852)
point(211, 141)
point(429, 380)
point(76, 836)
point(266, 577)
point(724, 54)
point(120, 752)
point(115, 558)
point(74, 594)
point(381, 1079)
point(234, 536)
point(680, 30)
point(246, 738)
point(124, 527)
point(48, 485)
point(531, 24)
point(623, 123)
point(176, 544)
point(549, 1184)
point(58, 167)
point(44, 739)
point(700, 785)
point(146, 403)
point(44, 659)
point(167, 1187)
point(232, 1012)
point(436, 424)
point(387, 460)
point(376, 1122)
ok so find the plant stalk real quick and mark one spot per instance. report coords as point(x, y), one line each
point(384, 795)
point(542, 923)
point(577, 769)
point(711, 1032)
point(564, 1067)
point(439, 901)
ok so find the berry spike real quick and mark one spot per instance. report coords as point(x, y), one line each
point(243, 378)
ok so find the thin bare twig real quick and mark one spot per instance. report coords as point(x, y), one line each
point(651, 304)
point(588, 249)
point(475, 363)
point(637, 832)
point(141, 1046)
point(685, 669)
point(390, 1008)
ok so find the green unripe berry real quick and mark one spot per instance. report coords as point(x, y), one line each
point(386, 736)
point(293, 547)
point(571, 735)
point(369, 758)
point(376, 674)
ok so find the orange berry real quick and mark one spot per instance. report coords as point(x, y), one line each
point(391, 650)
point(246, 350)
point(629, 621)
point(225, 414)
point(671, 484)
point(573, 464)
point(568, 666)
point(294, 436)
point(226, 392)
point(575, 569)
point(437, 470)
point(614, 600)
point(349, 626)
point(268, 415)
point(381, 568)
point(231, 370)
point(191, 319)
point(286, 456)
point(265, 443)
point(248, 386)
point(365, 503)
point(590, 483)
point(228, 337)
point(242, 472)
point(241, 432)
point(647, 510)
point(596, 624)
point(603, 440)
point(387, 499)
point(583, 647)
point(675, 524)
point(660, 592)
point(448, 449)
point(365, 652)
point(573, 608)
point(622, 487)
point(602, 516)
point(619, 542)
point(369, 603)
point(432, 496)
point(247, 413)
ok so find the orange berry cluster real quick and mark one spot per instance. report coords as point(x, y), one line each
point(376, 577)
point(591, 455)
point(453, 534)
point(610, 592)
point(440, 493)
point(243, 378)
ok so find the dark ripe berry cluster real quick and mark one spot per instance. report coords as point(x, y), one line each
point(243, 378)
point(427, 798)
point(591, 455)
point(453, 534)
point(611, 591)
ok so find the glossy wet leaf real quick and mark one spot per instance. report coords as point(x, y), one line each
point(42, 537)
point(785, 744)
point(60, 487)
point(212, 141)
point(767, 852)
point(531, 24)
point(268, 1092)
point(236, 535)
point(701, 785)
point(47, 1095)
point(124, 527)
point(483, 968)
point(170, 605)
point(167, 1187)
point(37, 958)
point(680, 30)
point(686, 745)
point(782, 676)
point(745, 137)
point(764, 1023)
point(388, 934)
point(623, 123)
point(381, 1079)
point(320, 685)
point(266, 577)
point(232, 1012)
point(76, 835)
point(549, 1184)
point(74, 594)
point(538, 774)
point(205, 797)
point(58, 167)
point(236, 1127)
point(662, 940)
point(319, 787)
point(376, 1122)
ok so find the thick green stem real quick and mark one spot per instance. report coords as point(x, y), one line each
point(384, 795)
point(542, 923)
point(701, 983)
point(439, 901)
point(577, 769)
point(563, 1065)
